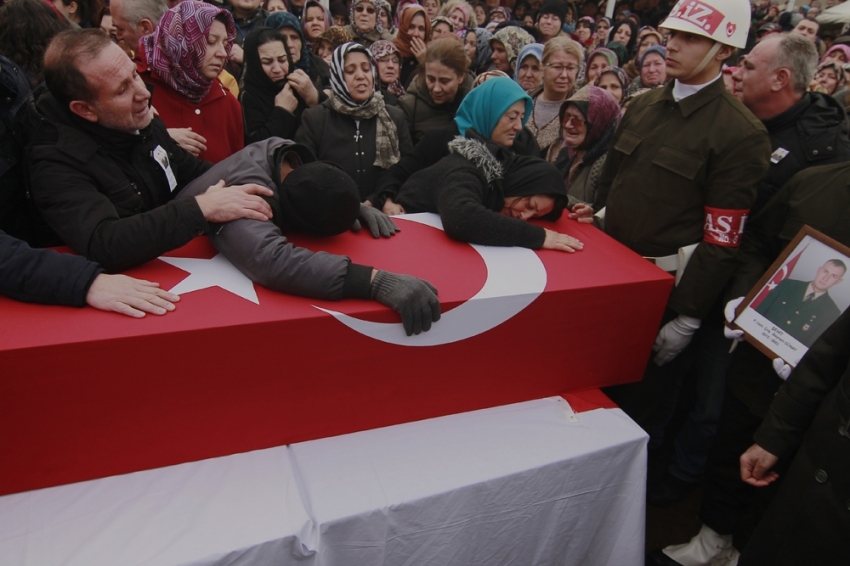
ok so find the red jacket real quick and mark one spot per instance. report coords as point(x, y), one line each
point(217, 117)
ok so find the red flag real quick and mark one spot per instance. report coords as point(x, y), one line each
point(782, 274)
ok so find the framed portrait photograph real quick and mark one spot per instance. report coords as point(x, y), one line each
point(800, 296)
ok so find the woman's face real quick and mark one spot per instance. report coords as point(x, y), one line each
point(827, 79)
point(325, 50)
point(497, 16)
point(559, 75)
point(417, 27)
point(293, 42)
point(611, 83)
point(480, 14)
point(596, 64)
point(470, 46)
point(653, 71)
point(530, 73)
point(273, 60)
point(431, 8)
point(357, 72)
point(509, 125)
point(388, 68)
point(339, 21)
point(602, 28)
point(549, 25)
point(314, 22)
point(365, 16)
point(440, 30)
point(526, 208)
point(583, 32)
point(442, 82)
point(574, 127)
point(623, 34)
point(385, 19)
point(500, 57)
point(645, 43)
point(838, 57)
point(458, 18)
point(216, 54)
point(275, 6)
point(528, 20)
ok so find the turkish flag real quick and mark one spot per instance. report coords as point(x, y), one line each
point(782, 274)
point(236, 367)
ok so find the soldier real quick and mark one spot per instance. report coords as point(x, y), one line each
point(683, 173)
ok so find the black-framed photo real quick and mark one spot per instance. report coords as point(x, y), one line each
point(800, 296)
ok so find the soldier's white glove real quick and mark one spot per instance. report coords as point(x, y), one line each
point(674, 337)
point(729, 313)
point(782, 369)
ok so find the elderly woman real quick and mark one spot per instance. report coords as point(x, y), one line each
point(529, 72)
point(183, 76)
point(562, 59)
point(388, 62)
point(460, 13)
point(365, 26)
point(830, 77)
point(438, 89)
point(332, 38)
point(615, 81)
point(498, 15)
point(315, 19)
point(648, 38)
point(588, 120)
point(413, 33)
point(506, 44)
point(481, 52)
point(599, 59)
point(353, 128)
point(653, 69)
point(270, 106)
point(441, 26)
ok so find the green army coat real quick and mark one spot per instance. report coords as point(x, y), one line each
point(681, 173)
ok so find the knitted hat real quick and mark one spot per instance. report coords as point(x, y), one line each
point(319, 198)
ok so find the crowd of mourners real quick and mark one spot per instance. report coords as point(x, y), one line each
point(130, 128)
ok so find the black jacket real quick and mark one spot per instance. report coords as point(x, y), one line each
point(813, 132)
point(102, 191)
point(44, 276)
point(423, 114)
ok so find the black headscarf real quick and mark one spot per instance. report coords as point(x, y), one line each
point(526, 176)
point(255, 79)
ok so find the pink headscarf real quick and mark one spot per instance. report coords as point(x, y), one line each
point(176, 48)
point(839, 47)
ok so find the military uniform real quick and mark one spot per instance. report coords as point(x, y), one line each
point(786, 306)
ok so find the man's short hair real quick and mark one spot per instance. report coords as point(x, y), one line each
point(135, 11)
point(838, 263)
point(800, 56)
point(62, 61)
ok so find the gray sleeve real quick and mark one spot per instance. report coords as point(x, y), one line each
point(260, 251)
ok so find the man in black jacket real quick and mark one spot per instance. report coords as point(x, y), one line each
point(104, 171)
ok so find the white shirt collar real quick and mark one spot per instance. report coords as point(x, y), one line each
point(681, 91)
point(810, 290)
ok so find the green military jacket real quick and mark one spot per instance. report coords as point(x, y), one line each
point(786, 306)
point(681, 173)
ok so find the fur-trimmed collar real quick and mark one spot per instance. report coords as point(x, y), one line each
point(477, 152)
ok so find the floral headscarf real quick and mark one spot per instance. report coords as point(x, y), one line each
point(402, 40)
point(514, 39)
point(839, 72)
point(504, 10)
point(384, 48)
point(280, 20)
point(378, 26)
point(386, 7)
point(176, 48)
point(443, 20)
point(621, 75)
point(486, 76)
point(336, 36)
point(602, 114)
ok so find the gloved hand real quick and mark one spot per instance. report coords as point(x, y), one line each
point(674, 337)
point(414, 299)
point(379, 224)
point(782, 369)
point(729, 313)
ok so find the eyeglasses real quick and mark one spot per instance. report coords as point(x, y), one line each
point(576, 120)
point(559, 69)
point(366, 9)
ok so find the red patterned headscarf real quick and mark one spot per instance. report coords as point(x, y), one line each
point(176, 48)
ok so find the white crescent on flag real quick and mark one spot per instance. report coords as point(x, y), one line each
point(515, 278)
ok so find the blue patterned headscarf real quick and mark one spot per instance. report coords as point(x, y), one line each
point(482, 108)
point(535, 49)
point(280, 20)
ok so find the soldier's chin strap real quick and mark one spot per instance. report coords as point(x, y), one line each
point(705, 60)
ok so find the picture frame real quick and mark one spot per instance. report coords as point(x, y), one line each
point(802, 293)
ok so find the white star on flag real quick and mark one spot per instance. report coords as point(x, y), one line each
point(215, 272)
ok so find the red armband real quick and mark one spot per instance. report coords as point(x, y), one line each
point(724, 226)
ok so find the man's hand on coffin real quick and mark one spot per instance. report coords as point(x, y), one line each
point(414, 299)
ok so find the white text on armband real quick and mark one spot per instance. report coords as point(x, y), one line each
point(724, 226)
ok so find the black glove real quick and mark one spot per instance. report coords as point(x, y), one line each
point(414, 299)
point(378, 223)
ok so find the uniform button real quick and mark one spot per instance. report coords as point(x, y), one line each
point(197, 110)
point(815, 152)
point(820, 476)
point(789, 322)
point(199, 232)
point(829, 148)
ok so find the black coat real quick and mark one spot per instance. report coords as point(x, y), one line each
point(103, 192)
point(43, 276)
point(423, 115)
point(333, 137)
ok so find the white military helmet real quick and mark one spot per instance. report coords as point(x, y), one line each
point(724, 21)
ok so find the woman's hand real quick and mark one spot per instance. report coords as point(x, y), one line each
point(583, 213)
point(189, 140)
point(418, 47)
point(302, 84)
point(391, 208)
point(286, 99)
point(236, 54)
point(561, 242)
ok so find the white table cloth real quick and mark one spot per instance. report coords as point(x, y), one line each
point(524, 484)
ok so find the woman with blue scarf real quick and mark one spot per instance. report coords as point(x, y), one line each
point(311, 75)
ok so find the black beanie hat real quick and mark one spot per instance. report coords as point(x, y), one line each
point(526, 176)
point(557, 7)
point(319, 198)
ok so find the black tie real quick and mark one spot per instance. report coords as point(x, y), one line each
point(809, 297)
